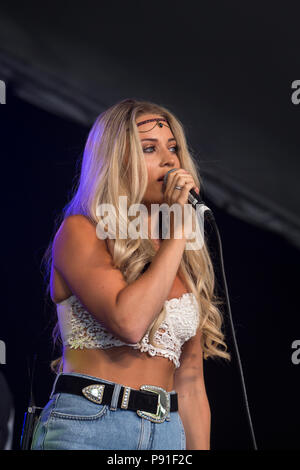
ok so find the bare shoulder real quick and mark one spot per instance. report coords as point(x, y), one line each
point(84, 267)
point(75, 225)
point(76, 234)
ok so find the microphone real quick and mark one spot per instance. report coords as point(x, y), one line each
point(193, 197)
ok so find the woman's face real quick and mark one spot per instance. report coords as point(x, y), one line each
point(160, 152)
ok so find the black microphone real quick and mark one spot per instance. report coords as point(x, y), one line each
point(193, 197)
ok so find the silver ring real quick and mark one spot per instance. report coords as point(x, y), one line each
point(178, 187)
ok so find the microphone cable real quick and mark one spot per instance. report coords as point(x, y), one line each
point(194, 199)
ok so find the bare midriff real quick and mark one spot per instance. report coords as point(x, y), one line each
point(123, 365)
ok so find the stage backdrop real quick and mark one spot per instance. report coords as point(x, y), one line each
point(63, 65)
point(227, 71)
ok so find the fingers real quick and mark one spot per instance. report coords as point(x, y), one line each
point(175, 178)
point(183, 179)
point(184, 194)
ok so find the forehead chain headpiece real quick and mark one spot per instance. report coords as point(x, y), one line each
point(158, 123)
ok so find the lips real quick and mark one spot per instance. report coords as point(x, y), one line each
point(161, 177)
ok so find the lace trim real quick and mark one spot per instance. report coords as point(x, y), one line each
point(180, 324)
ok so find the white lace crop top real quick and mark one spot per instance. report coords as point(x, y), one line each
point(79, 329)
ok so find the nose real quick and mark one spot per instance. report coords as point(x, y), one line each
point(167, 159)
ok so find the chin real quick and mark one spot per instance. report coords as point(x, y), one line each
point(156, 198)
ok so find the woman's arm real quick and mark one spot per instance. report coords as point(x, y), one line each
point(147, 294)
point(193, 405)
point(86, 266)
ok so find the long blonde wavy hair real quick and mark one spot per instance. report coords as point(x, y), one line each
point(113, 136)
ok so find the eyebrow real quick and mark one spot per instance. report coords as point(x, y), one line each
point(156, 140)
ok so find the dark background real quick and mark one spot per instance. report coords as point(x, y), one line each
point(247, 127)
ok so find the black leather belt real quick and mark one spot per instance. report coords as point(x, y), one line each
point(150, 402)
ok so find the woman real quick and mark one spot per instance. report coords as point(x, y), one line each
point(136, 315)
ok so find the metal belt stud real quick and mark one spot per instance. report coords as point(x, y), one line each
point(94, 393)
point(163, 405)
point(125, 398)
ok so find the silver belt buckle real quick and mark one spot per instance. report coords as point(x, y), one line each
point(163, 405)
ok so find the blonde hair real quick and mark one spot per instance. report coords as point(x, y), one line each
point(114, 135)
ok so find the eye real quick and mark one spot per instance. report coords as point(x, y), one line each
point(147, 148)
point(175, 147)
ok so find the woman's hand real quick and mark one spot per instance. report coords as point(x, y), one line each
point(181, 226)
point(182, 178)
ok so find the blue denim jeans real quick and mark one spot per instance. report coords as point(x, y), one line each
point(72, 422)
